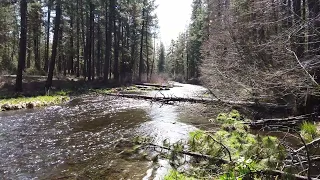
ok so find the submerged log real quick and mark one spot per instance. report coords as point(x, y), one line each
point(200, 100)
point(290, 121)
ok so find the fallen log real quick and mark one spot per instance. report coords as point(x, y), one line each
point(283, 174)
point(199, 100)
point(223, 161)
point(283, 121)
point(312, 143)
point(153, 85)
point(189, 153)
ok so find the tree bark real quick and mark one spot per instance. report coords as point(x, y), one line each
point(71, 50)
point(46, 56)
point(98, 69)
point(23, 44)
point(147, 47)
point(78, 42)
point(141, 64)
point(89, 42)
point(108, 27)
point(116, 32)
point(54, 44)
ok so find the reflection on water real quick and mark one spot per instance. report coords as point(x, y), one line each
point(78, 140)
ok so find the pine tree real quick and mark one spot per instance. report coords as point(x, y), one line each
point(161, 61)
point(23, 44)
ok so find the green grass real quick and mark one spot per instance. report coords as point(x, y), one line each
point(309, 131)
point(36, 101)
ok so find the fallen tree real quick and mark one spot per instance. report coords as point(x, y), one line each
point(292, 121)
point(200, 100)
point(154, 85)
point(312, 143)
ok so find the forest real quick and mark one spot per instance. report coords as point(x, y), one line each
point(261, 50)
point(248, 59)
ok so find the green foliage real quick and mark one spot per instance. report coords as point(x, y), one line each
point(240, 169)
point(309, 131)
point(175, 175)
point(250, 152)
point(229, 118)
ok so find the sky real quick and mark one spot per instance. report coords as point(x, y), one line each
point(173, 16)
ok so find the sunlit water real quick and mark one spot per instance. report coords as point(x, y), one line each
point(78, 139)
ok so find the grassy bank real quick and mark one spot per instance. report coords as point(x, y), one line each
point(31, 102)
point(14, 101)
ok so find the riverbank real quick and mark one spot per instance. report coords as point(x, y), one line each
point(63, 90)
point(31, 102)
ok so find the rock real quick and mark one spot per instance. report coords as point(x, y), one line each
point(30, 105)
point(37, 103)
point(6, 107)
point(23, 105)
point(15, 107)
point(64, 99)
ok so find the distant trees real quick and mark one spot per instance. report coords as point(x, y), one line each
point(161, 60)
point(108, 39)
point(184, 55)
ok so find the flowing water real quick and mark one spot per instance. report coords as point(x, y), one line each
point(80, 140)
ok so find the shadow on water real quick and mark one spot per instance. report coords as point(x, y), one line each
point(78, 140)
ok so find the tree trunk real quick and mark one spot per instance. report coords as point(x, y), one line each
point(29, 45)
point(46, 56)
point(108, 27)
point(147, 47)
point(60, 47)
point(141, 48)
point(36, 47)
point(89, 43)
point(123, 59)
point(98, 70)
point(23, 44)
point(154, 55)
point(71, 50)
point(93, 48)
point(84, 43)
point(78, 42)
point(54, 44)
point(116, 31)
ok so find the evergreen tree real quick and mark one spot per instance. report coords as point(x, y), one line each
point(23, 43)
point(161, 61)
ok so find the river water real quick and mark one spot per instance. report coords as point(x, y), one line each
point(79, 140)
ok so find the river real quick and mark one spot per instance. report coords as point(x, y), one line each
point(79, 140)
